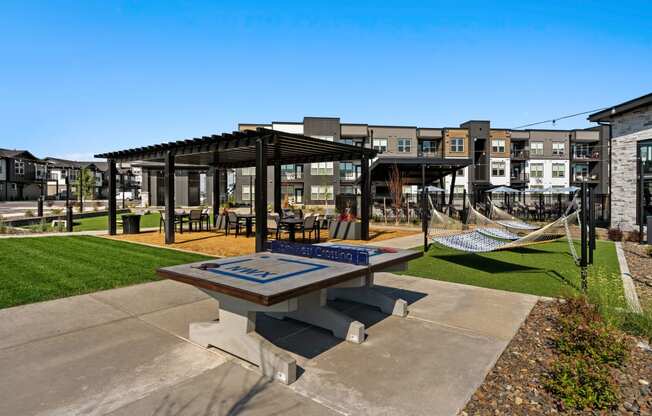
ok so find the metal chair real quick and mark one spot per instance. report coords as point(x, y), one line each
point(232, 221)
point(309, 225)
point(195, 217)
point(273, 221)
point(161, 223)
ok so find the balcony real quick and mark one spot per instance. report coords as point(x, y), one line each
point(520, 154)
point(584, 177)
point(291, 176)
point(519, 177)
point(586, 156)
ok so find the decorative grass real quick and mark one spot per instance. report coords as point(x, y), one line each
point(44, 268)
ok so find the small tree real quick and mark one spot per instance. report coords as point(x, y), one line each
point(395, 185)
point(85, 184)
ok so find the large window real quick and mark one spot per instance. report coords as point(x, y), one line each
point(321, 168)
point(248, 192)
point(349, 171)
point(646, 156)
point(350, 190)
point(457, 145)
point(248, 171)
point(404, 145)
point(428, 147)
point(321, 192)
point(498, 168)
point(558, 170)
point(536, 148)
point(536, 170)
point(19, 167)
point(380, 145)
point(580, 171)
point(40, 171)
point(581, 151)
point(291, 172)
point(498, 146)
point(558, 149)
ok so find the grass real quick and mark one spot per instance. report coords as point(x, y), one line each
point(102, 223)
point(543, 269)
point(38, 269)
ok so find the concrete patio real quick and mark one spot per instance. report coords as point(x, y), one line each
point(125, 352)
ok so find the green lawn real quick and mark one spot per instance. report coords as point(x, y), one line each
point(102, 223)
point(542, 269)
point(38, 269)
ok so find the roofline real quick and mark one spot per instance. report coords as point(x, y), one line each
point(630, 105)
point(391, 127)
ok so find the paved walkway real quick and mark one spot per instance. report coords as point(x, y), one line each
point(125, 352)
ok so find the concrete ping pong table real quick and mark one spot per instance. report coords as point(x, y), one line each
point(286, 285)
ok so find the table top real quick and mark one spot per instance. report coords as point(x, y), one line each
point(268, 278)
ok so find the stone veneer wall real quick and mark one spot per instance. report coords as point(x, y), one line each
point(627, 130)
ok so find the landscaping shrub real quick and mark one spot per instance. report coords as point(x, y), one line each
point(29, 213)
point(581, 383)
point(634, 236)
point(3, 226)
point(56, 211)
point(638, 324)
point(615, 234)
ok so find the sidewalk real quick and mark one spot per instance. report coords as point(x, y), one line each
point(125, 352)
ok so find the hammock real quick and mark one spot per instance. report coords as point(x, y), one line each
point(497, 233)
point(477, 242)
point(509, 221)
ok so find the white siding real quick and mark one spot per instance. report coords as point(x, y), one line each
point(288, 127)
point(499, 180)
point(547, 180)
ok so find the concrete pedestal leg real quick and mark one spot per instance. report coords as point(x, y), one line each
point(312, 310)
point(235, 334)
point(367, 294)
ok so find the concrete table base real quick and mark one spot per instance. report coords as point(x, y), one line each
point(362, 290)
point(312, 309)
point(236, 334)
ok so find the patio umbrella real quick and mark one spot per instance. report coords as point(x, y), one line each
point(434, 189)
point(503, 189)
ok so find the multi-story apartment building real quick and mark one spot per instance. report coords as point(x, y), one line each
point(523, 159)
point(21, 175)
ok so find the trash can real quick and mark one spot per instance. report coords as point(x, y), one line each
point(131, 224)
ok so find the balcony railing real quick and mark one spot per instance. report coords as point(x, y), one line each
point(519, 177)
point(520, 154)
point(291, 176)
point(586, 177)
point(436, 153)
point(588, 155)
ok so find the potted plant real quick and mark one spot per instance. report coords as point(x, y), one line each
point(346, 227)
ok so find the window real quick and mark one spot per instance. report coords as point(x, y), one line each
point(536, 148)
point(321, 192)
point(581, 150)
point(428, 147)
point(352, 142)
point(321, 168)
point(558, 170)
point(645, 149)
point(581, 171)
point(497, 168)
point(536, 170)
point(291, 172)
point(460, 172)
point(404, 145)
point(248, 171)
point(248, 192)
point(349, 171)
point(457, 145)
point(459, 189)
point(498, 146)
point(2, 166)
point(558, 149)
point(380, 145)
point(19, 167)
point(40, 171)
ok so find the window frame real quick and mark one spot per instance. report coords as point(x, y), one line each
point(496, 145)
point(537, 170)
point(404, 145)
point(457, 145)
point(498, 169)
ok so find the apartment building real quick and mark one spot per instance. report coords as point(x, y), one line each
point(523, 159)
point(21, 175)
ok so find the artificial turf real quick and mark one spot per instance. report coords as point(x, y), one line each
point(542, 269)
point(44, 268)
point(102, 223)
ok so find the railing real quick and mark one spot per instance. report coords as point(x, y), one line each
point(291, 176)
point(588, 155)
point(519, 177)
point(436, 153)
point(520, 154)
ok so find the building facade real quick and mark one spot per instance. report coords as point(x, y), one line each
point(631, 160)
point(523, 159)
point(21, 175)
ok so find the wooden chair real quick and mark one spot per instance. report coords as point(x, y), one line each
point(232, 221)
point(195, 217)
point(309, 225)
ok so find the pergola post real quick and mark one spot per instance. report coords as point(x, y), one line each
point(365, 182)
point(424, 208)
point(216, 194)
point(261, 195)
point(277, 187)
point(451, 196)
point(168, 175)
point(112, 201)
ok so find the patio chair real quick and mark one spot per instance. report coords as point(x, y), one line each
point(161, 223)
point(206, 217)
point(232, 221)
point(273, 227)
point(195, 217)
point(309, 225)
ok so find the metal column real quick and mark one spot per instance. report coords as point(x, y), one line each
point(365, 184)
point(261, 195)
point(169, 197)
point(112, 201)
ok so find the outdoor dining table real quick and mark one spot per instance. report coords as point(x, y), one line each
point(248, 222)
point(291, 224)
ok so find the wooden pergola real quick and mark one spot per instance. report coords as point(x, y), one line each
point(260, 148)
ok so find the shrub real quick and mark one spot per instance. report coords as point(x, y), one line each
point(638, 324)
point(3, 226)
point(634, 236)
point(57, 211)
point(29, 213)
point(581, 383)
point(615, 234)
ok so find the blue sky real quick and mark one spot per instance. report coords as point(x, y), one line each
point(78, 78)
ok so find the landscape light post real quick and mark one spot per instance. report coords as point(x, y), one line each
point(583, 240)
point(68, 205)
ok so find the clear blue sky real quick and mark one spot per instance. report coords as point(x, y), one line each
point(77, 78)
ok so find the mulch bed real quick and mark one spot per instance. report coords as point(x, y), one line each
point(515, 386)
point(640, 267)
